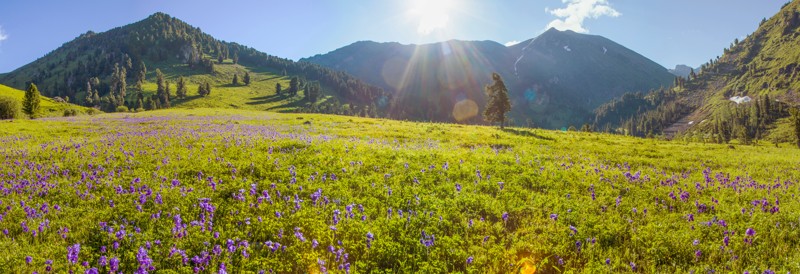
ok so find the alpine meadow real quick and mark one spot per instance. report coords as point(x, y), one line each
point(155, 147)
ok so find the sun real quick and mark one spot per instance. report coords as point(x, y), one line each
point(433, 15)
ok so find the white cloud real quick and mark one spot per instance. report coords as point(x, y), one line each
point(572, 16)
point(3, 35)
point(511, 43)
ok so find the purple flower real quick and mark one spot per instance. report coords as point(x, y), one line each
point(505, 216)
point(574, 230)
point(72, 253)
point(92, 271)
point(28, 259)
point(750, 232)
point(726, 240)
point(501, 184)
point(469, 260)
point(697, 253)
point(145, 263)
point(608, 261)
point(114, 264)
point(554, 217)
point(458, 187)
point(695, 242)
point(370, 237)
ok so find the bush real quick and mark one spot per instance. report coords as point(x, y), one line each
point(122, 109)
point(92, 111)
point(70, 112)
point(9, 108)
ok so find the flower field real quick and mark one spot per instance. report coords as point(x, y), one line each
point(227, 191)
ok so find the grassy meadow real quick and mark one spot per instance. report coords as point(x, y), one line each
point(241, 191)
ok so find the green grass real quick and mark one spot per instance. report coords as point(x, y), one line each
point(259, 95)
point(48, 106)
point(154, 165)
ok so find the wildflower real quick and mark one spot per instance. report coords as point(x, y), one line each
point(72, 253)
point(469, 260)
point(554, 217)
point(114, 264)
point(370, 237)
point(28, 259)
point(505, 216)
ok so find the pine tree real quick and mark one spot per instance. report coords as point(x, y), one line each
point(201, 90)
point(165, 97)
point(181, 88)
point(161, 90)
point(235, 79)
point(30, 104)
point(141, 75)
point(246, 78)
point(498, 104)
point(208, 88)
point(312, 92)
point(88, 94)
point(294, 85)
point(796, 121)
point(236, 57)
point(278, 89)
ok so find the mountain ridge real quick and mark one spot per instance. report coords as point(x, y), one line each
point(461, 69)
point(181, 50)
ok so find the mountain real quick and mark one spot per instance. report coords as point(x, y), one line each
point(681, 70)
point(744, 94)
point(94, 62)
point(555, 80)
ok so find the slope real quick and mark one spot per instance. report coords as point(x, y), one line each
point(555, 80)
point(763, 68)
point(181, 50)
point(49, 107)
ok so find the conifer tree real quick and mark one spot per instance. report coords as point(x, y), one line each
point(208, 88)
point(162, 95)
point(235, 79)
point(247, 78)
point(165, 97)
point(278, 88)
point(796, 121)
point(498, 104)
point(89, 94)
point(180, 90)
point(294, 85)
point(30, 104)
point(201, 90)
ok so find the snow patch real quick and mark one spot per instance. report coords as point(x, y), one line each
point(605, 50)
point(567, 48)
point(741, 100)
point(691, 123)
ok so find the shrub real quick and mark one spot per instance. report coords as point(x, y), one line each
point(92, 111)
point(122, 109)
point(9, 108)
point(70, 112)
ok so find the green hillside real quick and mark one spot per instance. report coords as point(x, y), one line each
point(49, 107)
point(763, 67)
point(246, 191)
point(94, 61)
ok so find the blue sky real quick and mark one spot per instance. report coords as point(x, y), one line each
point(669, 32)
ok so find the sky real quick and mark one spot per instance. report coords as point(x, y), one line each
point(669, 32)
